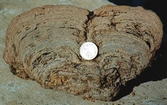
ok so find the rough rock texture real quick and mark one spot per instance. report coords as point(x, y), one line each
point(43, 44)
point(149, 88)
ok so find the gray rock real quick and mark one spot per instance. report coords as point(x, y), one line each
point(18, 91)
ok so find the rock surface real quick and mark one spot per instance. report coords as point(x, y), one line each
point(16, 91)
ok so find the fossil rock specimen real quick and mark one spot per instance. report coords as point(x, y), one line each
point(43, 44)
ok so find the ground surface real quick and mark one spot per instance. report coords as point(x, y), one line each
point(150, 88)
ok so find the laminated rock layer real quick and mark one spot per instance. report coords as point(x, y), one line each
point(43, 44)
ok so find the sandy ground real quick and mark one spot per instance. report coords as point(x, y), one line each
point(150, 88)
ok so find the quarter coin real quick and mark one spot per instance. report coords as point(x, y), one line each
point(88, 50)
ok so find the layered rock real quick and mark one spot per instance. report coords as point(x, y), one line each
point(43, 44)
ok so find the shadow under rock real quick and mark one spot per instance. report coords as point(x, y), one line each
point(157, 71)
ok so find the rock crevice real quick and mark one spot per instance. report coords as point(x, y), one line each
point(43, 44)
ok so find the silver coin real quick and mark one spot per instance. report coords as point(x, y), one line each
point(88, 50)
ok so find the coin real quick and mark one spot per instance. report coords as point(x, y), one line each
point(88, 50)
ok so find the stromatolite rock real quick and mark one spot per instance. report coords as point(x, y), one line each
point(43, 44)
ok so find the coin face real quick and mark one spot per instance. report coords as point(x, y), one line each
point(88, 50)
